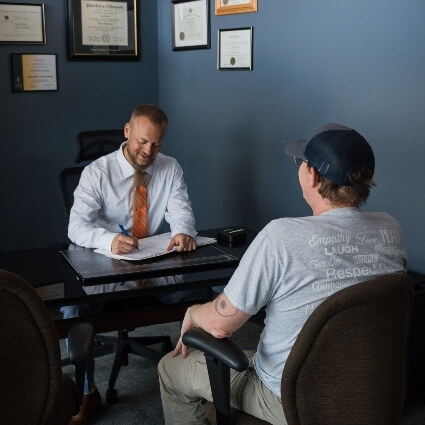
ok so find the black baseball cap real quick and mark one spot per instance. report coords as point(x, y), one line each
point(335, 151)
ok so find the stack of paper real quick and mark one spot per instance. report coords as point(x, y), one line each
point(153, 246)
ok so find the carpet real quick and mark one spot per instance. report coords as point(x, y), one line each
point(139, 401)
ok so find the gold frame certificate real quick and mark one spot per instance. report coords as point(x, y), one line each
point(235, 49)
point(34, 72)
point(229, 7)
point(22, 23)
point(190, 21)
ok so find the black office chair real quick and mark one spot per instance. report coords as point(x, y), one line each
point(91, 145)
point(33, 389)
point(68, 179)
point(348, 365)
point(96, 143)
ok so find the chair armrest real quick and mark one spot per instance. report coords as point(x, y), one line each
point(221, 355)
point(222, 349)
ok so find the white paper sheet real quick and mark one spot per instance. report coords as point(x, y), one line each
point(153, 246)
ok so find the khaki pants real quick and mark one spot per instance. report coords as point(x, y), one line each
point(185, 384)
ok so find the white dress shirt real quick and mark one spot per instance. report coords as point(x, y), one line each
point(103, 200)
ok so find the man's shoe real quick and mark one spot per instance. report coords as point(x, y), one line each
point(91, 404)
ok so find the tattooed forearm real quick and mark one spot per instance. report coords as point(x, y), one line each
point(222, 308)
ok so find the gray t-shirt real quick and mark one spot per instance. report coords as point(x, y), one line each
point(296, 263)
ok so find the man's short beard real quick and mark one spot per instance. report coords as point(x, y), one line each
point(134, 163)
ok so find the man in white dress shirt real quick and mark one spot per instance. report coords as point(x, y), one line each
point(103, 201)
point(103, 198)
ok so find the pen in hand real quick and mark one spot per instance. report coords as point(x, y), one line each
point(124, 232)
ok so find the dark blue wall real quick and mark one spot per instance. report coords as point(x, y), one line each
point(37, 130)
point(355, 62)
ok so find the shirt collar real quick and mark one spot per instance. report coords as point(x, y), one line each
point(343, 210)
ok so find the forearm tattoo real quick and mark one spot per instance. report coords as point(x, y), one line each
point(222, 308)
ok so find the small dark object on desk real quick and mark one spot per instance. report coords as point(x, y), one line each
point(232, 236)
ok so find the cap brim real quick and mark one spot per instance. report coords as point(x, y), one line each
point(296, 148)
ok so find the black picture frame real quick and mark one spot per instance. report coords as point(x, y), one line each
point(235, 49)
point(102, 30)
point(22, 23)
point(190, 21)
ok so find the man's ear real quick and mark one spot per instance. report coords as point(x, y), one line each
point(126, 130)
point(314, 178)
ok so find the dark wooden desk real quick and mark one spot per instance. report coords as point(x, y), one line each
point(125, 305)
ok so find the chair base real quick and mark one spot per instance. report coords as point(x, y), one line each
point(122, 346)
point(134, 345)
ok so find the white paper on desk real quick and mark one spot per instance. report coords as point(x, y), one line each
point(153, 246)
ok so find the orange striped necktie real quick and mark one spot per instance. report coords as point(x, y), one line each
point(140, 206)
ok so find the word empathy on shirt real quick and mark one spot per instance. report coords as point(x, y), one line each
point(387, 236)
point(328, 240)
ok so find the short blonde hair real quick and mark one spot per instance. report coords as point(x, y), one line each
point(155, 114)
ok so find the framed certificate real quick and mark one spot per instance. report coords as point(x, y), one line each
point(22, 23)
point(34, 72)
point(228, 7)
point(102, 29)
point(190, 24)
point(235, 49)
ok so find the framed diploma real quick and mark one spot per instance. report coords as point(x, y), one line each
point(34, 72)
point(235, 49)
point(102, 29)
point(191, 24)
point(22, 23)
point(228, 7)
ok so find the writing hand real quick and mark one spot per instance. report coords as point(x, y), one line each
point(182, 242)
point(122, 244)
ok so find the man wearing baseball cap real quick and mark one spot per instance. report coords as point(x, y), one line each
point(292, 266)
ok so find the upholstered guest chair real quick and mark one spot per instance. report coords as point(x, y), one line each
point(33, 390)
point(348, 365)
